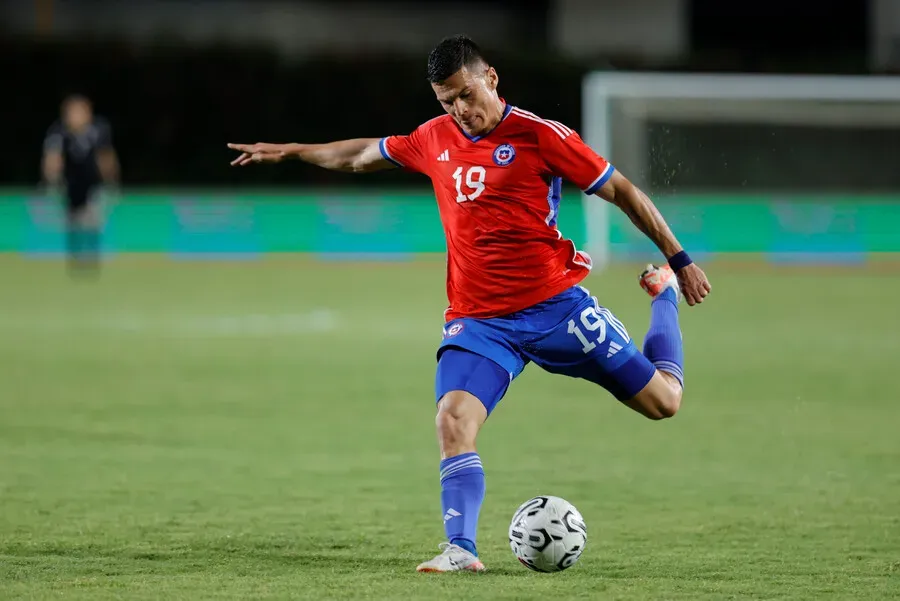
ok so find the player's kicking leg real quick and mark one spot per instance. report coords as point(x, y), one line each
point(468, 385)
point(661, 397)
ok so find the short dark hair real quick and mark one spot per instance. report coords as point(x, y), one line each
point(451, 55)
point(75, 98)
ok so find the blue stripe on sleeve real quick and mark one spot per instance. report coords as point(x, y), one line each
point(382, 146)
point(604, 177)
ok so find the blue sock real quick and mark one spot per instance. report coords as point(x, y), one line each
point(662, 344)
point(462, 491)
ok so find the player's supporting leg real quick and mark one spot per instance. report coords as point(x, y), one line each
point(72, 240)
point(661, 397)
point(83, 231)
point(92, 226)
point(74, 205)
point(468, 386)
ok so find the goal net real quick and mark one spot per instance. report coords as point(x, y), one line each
point(780, 155)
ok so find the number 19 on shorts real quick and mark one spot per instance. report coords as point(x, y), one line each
point(594, 321)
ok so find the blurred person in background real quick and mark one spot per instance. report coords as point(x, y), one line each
point(79, 155)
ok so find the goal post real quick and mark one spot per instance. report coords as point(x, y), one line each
point(729, 136)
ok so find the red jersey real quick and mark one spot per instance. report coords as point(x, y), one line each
point(498, 196)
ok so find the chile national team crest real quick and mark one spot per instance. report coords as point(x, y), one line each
point(453, 330)
point(504, 154)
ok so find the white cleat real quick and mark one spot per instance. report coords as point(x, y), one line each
point(656, 279)
point(453, 559)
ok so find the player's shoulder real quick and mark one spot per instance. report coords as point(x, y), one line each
point(539, 125)
point(433, 132)
point(53, 139)
point(55, 129)
point(101, 124)
point(436, 125)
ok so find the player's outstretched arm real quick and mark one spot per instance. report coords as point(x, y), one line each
point(52, 167)
point(52, 159)
point(360, 155)
point(108, 164)
point(643, 213)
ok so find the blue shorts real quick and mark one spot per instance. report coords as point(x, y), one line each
point(569, 334)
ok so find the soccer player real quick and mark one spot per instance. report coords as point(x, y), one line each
point(512, 279)
point(78, 153)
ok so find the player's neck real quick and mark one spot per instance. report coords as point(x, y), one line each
point(495, 117)
point(498, 116)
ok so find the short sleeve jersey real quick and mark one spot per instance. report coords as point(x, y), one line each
point(498, 196)
point(79, 150)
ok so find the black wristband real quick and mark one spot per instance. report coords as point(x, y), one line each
point(679, 260)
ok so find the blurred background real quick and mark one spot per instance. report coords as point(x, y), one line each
point(235, 404)
point(176, 80)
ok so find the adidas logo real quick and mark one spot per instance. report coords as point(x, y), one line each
point(613, 349)
point(444, 156)
point(451, 513)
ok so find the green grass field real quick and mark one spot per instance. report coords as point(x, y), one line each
point(264, 430)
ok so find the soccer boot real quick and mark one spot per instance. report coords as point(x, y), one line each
point(656, 279)
point(453, 559)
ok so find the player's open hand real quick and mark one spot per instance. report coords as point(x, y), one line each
point(694, 284)
point(258, 153)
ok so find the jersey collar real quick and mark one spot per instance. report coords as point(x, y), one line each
point(506, 111)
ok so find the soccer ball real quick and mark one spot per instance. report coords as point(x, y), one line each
point(547, 534)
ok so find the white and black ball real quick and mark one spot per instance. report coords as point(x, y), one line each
point(547, 534)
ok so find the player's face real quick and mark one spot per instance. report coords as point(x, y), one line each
point(77, 115)
point(470, 97)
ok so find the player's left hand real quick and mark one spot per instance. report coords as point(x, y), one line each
point(694, 284)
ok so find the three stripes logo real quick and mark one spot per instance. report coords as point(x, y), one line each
point(614, 348)
point(444, 156)
point(451, 513)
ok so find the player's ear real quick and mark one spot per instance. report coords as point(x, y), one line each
point(492, 78)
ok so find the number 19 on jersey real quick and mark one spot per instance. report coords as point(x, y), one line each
point(474, 180)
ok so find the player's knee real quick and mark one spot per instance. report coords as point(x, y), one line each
point(453, 419)
point(665, 402)
point(458, 420)
point(660, 399)
point(669, 406)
